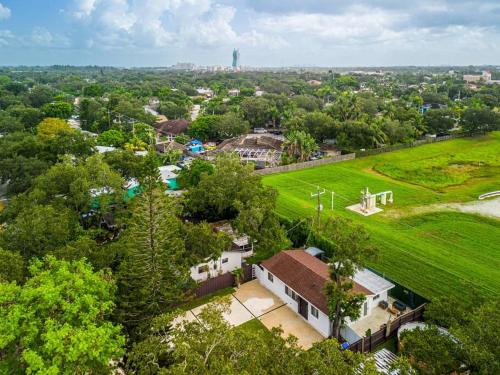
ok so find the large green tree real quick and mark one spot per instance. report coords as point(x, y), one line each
point(480, 120)
point(209, 345)
point(57, 323)
point(11, 266)
point(256, 111)
point(474, 322)
point(111, 137)
point(154, 275)
point(438, 121)
point(62, 110)
point(348, 248)
point(203, 127)
point(432, 351)
point(39, 229)
point(79, 184)
point(234, 192)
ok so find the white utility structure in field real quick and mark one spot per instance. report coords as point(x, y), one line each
point(368, 202)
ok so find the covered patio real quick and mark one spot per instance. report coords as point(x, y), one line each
point(375, 320)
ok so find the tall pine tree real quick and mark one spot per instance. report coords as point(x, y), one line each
point(154, 274)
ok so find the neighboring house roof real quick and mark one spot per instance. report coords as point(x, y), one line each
point(169, 172)
point(171, 127)
point(167, 146)
point(131, 183)
point(225, 226)
point(104, 149)
point(306, 275)
point(255, 141)
point(383, 360)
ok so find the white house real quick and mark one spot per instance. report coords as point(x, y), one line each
point(298, 278)
point(230, 259)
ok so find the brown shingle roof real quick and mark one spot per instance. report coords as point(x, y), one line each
point(172, 126)
point(166, 146)
point(305, 274)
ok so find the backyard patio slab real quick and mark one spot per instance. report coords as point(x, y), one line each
point(375, 320)
point(256, 298)
point(292, 324)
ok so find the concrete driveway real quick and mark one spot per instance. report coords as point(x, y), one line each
point(253, 301)
point(237, 314)
point(292, 324)
point(257, 299)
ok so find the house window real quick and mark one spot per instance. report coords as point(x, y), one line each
point(270, 276)
point(225, 260)
point(203, 269)
point(376, 297)
point(314, 311)
point(295, 297)
point(365, 308)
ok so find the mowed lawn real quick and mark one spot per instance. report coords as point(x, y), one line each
point(432, 253)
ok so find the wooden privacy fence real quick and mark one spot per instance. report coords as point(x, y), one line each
point(368, 343)
point(222, 281)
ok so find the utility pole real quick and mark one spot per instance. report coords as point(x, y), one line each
point(319, 207)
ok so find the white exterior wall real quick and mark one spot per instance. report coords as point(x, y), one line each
point(277, 287)
point(372, 304)
point(216, 268)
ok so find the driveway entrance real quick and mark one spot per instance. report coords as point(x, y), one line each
point(253, 301)
point(292, 324)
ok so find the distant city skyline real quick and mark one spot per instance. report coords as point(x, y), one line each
point(268, 33)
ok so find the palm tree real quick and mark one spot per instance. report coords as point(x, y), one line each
point(238, 276)
point(299, 145)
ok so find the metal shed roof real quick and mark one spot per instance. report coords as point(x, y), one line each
point(372, 281)
point(314, 251)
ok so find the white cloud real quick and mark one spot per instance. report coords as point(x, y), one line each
point(164, 23)
point(4, 12)
point(41, 37)
point(6, 38)
point(356, 25)
point(84, 8)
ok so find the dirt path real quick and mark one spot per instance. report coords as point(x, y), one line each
point(489, 208)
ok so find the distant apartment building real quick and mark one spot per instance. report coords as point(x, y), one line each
point(474, 78)
point(184, 66)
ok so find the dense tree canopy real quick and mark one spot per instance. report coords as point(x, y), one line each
point(209, 345)
point(57, 323)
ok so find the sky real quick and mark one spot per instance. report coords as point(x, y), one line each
point(267, 32)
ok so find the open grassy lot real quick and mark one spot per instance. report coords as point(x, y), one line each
point(431, 252)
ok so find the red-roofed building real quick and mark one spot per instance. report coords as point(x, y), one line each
point(299, 279)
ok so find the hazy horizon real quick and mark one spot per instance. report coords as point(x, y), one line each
point(272, 34)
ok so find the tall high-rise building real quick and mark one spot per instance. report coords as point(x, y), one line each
point(236, 58)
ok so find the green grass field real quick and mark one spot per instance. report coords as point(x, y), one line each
point(428, 250)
